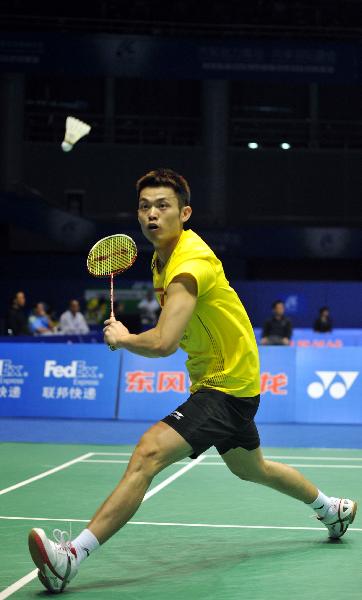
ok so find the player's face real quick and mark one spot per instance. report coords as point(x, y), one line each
point(159, 215)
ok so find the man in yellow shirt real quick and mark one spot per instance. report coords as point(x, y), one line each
point(202, 314)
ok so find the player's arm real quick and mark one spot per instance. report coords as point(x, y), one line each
point(165, 337)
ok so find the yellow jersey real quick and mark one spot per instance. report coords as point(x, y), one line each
point(219, 338)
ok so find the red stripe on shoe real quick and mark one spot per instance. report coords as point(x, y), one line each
point(39, 553)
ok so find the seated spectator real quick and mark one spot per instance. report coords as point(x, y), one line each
point(39, 322)
point(72, 322)
point(323, 323)
point(17, 322)
point(149, 310)
point(278, 329)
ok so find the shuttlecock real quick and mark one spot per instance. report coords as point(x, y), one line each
point(74, 130)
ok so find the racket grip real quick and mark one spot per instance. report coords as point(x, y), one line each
point(113, 348)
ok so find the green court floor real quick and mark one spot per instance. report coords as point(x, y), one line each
point(200, 534)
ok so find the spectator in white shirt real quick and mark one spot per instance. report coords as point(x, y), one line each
point(72, 322)
point(149, 310)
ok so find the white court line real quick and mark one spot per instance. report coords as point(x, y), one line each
point(30, 576)
point(314, 466)
point(346, 458)
point(111, 462)
point(162, 524)
point(308, 465)
point(45, 473)
point(112, 453)
point(18, 584)
point(4, 518)
point(125, 462)
point(222, 464)
point(214, 526)
point(268, 456)
point(172, 478)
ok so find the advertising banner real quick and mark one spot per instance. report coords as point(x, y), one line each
point(307, 338)
point(277, 385)
point(298, 385)
point(152, 387)
point(329, 386)
point(151, 392)
point(58, 380)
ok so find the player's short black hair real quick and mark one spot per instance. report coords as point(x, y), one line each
point(166, 178)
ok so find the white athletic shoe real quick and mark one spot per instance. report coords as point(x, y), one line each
point(56, 561)
point(339, 516)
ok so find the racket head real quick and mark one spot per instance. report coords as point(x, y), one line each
point(111, 255)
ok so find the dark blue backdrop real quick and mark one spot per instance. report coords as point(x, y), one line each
point(140, 56)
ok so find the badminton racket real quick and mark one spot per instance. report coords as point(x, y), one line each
point(110, 256)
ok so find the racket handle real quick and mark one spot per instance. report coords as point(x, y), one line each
point(113, 348)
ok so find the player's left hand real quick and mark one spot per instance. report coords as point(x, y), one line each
point(113, 333)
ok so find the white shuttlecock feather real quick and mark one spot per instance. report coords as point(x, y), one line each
point(74, 130)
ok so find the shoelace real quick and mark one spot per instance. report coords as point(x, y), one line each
point(62, 538)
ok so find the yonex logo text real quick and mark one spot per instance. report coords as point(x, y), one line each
point(336, 389)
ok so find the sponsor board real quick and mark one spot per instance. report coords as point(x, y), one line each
point(304, 385)
point(162, 384)
point(12, 378)
point(329, 386)
point(58, 380)
point(277, 384)
point(155, 390)
point(307, 338)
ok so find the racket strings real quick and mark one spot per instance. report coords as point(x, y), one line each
point(113, 254)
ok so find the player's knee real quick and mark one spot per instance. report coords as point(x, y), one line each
point(259, 473)
point(147, 457)
point(238, 471)
point(255, 473)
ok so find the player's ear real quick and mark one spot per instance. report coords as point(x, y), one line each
point(186, 213)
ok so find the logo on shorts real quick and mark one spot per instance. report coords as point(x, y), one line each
point(337, 383)
point(176, 414)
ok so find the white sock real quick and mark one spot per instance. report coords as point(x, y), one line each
point(321, 504)
point(84, 544)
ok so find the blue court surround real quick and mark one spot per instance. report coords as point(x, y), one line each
point(92, 431)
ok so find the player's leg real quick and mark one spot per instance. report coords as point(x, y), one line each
point(158, 448)
point(58, 561)
point(336, 513)
point(251, 466)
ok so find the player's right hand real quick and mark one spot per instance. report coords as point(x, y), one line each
point(114, 331)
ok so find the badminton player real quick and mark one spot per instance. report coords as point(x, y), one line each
point(202, 314)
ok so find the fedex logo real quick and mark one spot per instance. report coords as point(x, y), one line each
point(76, 369)
point(336, 383)
point(8, 369)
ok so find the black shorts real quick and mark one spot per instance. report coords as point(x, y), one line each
point(212, 418)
